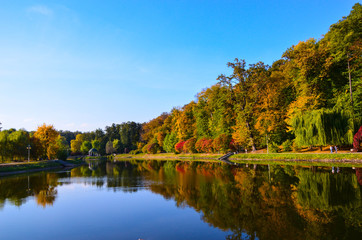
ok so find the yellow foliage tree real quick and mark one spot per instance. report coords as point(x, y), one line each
point(76, 143)
point(185, 123)
point(47, 136)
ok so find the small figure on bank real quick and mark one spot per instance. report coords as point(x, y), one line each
point(335, 149)
point(333, 170)
point(331, 148)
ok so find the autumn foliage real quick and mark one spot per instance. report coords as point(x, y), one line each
point(48, 136)
point(152, 148)
point(189, 146)
point(205, 145)
point(222, 143)
point(258, 102)
point(179, 147)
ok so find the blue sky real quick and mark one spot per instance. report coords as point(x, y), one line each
point(82, 65)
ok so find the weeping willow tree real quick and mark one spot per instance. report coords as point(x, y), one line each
point(322, 127)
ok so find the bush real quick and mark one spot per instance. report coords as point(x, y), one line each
point(134, 152)
point(198, 145)
point(295, 147)
point(205, 145)
point(179, 146)
point(222, 143)
point(287, 146)
point(144, 148)
point(273, 148)
point(152, 148)
point(233, 146)
point(62, 154)
point(189, 146)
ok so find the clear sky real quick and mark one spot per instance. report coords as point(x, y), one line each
point(82, 65)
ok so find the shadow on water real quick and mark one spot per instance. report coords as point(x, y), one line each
point(252, 201)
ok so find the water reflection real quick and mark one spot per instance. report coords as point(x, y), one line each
point(16, 190)
point(251, 201)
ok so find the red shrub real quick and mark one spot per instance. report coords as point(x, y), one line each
point(204, 145)
point(233, 145)
point(198, 145)
point(179, 146)
point(189, 146)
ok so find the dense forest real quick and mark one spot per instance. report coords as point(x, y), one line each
point(312, 96)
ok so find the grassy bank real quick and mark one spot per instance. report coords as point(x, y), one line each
point(310, 159)
point(299, 156)
point(169, 156)
point(15, 167)
point(303, 163)
point(8, 168)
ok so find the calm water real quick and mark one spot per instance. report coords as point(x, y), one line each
point(180, 200)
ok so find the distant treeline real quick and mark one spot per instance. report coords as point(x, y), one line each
point(45, 143)
point(312, 96)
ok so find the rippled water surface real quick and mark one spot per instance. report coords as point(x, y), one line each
point(183, 200)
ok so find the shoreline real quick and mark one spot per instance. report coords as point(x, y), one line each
point(11, 168)
point(277, 158)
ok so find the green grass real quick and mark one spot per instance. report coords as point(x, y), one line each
point(169, 156)
point(298, 156)
point(257, 156)
point(27, 166)
point(303, 163)
point(305, 159)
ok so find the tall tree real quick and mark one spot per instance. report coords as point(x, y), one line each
point(245, 86)
point(76, 143)
point(130, 134)
point(47, 136)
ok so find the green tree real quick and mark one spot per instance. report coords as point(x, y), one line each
point(322, 127)
point(76, 144)
point(130, 134)
point(4, 145)
point(62, 148)
point(109, 147)
point(170, 142)
point(85, 147)
point(245, 86)
point(96, 144)
point(117, 145)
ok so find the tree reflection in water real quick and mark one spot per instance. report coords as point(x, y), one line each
point(42, 186)
point(251, 201)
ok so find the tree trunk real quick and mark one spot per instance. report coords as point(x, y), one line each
point(350, 84)
point(253, 148)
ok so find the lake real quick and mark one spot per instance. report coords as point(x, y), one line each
point(183, 200)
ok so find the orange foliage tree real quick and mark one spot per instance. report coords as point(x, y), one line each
point(189, 146)
point(222, 143)
point(205, 145)
point(47, 136)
